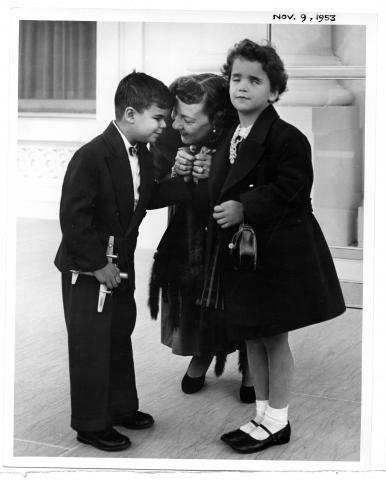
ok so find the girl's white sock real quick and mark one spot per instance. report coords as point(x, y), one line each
point(275, 419)
point(261, 406)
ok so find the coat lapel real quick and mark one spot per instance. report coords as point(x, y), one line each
point(119, 166)
point(220, 168)
point(251, 149)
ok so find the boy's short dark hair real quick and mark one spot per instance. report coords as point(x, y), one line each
point(212, 90)
point(264, 54)
point(141, 91)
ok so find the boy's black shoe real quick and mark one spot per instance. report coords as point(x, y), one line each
point(136, 421)
point(109, 440)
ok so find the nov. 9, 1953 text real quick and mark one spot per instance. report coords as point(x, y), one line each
point(303, 17)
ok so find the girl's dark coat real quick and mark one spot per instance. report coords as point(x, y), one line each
point(295, 283)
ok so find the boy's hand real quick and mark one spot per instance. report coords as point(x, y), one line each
point(228, 213)
point(183, 163)
point(109, 275)
point(202, 163)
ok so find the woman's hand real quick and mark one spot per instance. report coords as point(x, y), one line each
point(183, 164)
point(202, 163)
point(228, 213)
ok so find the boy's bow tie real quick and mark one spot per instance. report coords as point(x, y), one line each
point(133, 151)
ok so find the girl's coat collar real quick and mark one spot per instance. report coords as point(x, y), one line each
point(262, 125)
point(250, 154)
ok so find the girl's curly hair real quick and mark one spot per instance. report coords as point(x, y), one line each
point(264, 54)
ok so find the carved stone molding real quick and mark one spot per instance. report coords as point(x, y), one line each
point(43, 162)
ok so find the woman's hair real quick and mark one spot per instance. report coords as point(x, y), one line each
point(141, 91)
point(210, 88)
point(264, 54)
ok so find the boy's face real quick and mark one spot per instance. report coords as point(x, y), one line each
point(249, 87)
point(191, 121)
point(149, 124)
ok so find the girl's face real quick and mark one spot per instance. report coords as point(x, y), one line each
point(249, 88)
point(191, 121)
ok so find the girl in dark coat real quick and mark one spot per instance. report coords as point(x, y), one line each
point(202, 116)
point(262, 175)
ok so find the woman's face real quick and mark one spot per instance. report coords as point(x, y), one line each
point(191, 121)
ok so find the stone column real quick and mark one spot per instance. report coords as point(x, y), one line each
point(323, 109)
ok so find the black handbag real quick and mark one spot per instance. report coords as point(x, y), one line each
point(243, 249)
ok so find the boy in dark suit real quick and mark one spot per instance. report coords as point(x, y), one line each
point(107, 188)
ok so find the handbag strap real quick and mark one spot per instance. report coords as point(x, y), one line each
point(242, 227)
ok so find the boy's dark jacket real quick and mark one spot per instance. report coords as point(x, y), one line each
point(295, 283)
point(98, 201)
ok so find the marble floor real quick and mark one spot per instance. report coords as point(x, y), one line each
point(326, 398)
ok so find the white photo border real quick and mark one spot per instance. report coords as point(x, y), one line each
point(373, 423)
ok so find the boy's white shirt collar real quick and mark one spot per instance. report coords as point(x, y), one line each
point(125, 141)
point(134, 165)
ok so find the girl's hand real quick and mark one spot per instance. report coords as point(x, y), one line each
point(228, 213)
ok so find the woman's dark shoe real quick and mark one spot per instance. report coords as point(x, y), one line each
point(192, 384)
point(109, 440)
point(236, 435)
point(247, 394)
point(249, 444)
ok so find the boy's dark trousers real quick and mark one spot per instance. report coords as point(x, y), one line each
point(102, 374)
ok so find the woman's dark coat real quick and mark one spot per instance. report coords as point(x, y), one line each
point(178, 269)
point(295, 283)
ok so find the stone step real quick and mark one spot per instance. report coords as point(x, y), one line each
point(349, 266)
point(353, 294)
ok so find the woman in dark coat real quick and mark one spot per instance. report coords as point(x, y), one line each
point(202, 116)
point(262, 175)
